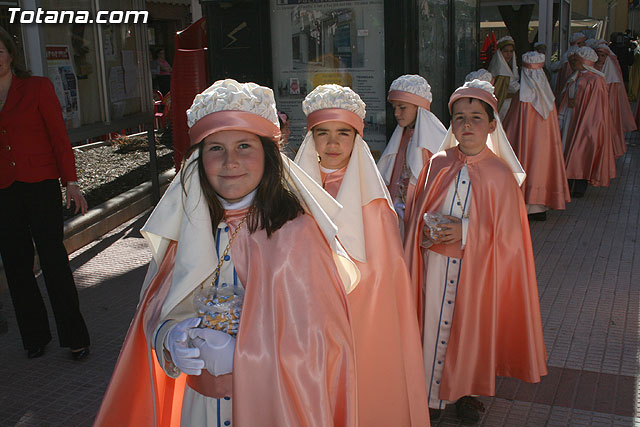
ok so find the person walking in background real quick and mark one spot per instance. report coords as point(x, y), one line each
point(622, 119)
point(504, 69)
point(585, 124)
point(562, 69)
point(161, 70)
point(35, 153)
point(532, 128)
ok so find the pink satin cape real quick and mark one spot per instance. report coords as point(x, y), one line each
point(129, 399)
point(497, 329)
point(398, 166)
point(294, 360)
point(538, 145)
point(622, 119)
point(563, 75)
point(501, 85)
point(391, 379)
point(588, 150)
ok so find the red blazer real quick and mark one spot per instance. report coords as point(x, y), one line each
point(34, 144)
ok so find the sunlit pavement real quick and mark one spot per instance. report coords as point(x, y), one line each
point(588, 264)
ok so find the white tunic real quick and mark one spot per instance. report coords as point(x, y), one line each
point(564, 117)
point(441, 275)
point(198, 409)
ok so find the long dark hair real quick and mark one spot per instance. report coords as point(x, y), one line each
point(273, 206)
point(18, 69)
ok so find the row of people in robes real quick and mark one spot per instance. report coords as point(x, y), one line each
point(463, 349)
point(278, 292)
point(588, 160)
point(607, 63)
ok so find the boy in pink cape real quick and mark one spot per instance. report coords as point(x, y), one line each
point(532, 129)
point(244, 317)
point(390, 373)
point(472, 266)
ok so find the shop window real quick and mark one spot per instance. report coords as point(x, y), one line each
point(123, 63)
point(325, 42)
point(97, 70)
point(72, 65)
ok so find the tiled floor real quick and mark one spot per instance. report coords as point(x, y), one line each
point(588, 263)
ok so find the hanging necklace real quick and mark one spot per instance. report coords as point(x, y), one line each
point(220, 311)
point(216, 272)
point(464, 215)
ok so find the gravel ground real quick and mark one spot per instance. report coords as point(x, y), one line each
point(104, 172)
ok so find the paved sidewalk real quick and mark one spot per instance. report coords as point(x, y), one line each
point(588, 264)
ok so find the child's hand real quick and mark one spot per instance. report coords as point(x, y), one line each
point(448, 233)
point(426, 234)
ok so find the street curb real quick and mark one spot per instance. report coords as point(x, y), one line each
point(84, 229)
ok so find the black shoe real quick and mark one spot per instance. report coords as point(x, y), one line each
point(468, 409)
point(538, 216)
point(80, 354)
point(434, 414)
point(34, 352)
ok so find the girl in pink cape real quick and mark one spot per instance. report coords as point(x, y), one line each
point(504, 69)
point(468, 248)
point(532, 128)
point(390, 373)
point(416, 138)
point(622, 119)
point(244, 318)
point(585, 124)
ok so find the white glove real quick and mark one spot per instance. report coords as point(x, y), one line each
point(216, 349)
point(186, 358)
point(399, 207)
point(514, 86)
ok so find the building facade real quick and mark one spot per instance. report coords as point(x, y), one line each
point(295, 45)
point(100, 71)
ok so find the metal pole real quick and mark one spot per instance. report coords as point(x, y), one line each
point(545, 28)
point(153, 162)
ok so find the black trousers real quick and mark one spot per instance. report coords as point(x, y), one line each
point(32, 212)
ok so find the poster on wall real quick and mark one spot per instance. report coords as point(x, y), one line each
point(65, 82)
point(340, 42)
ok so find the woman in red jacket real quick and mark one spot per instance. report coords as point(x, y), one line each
point(34, 153)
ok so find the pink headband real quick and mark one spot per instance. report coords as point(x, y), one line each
point(505, 43)
point(581, 39)
point(586, 61)
point(232, 120)
point(473, 92)
point(335, 115)
point(411, 98)
point(533, 66)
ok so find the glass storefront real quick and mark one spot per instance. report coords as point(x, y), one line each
point(72, 65)
point(448, 48)
point(434, 51)
point(324, 42)
point(98, 70)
